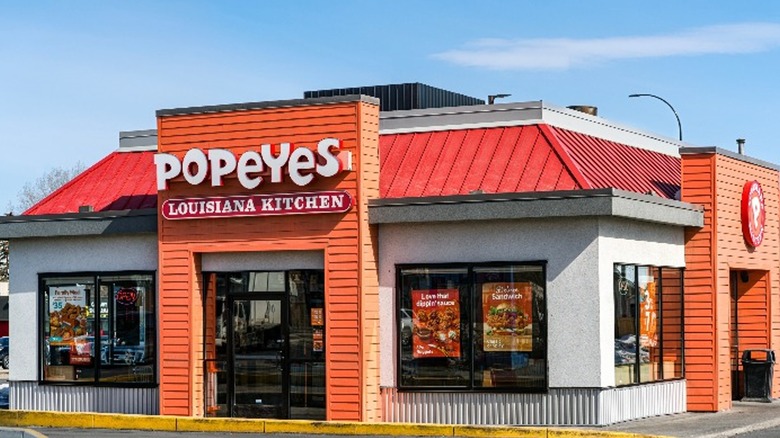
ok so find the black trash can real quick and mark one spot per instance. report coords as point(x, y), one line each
point(758, 366)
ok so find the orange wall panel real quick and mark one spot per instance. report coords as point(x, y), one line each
point(345, 239)
point(715, 181)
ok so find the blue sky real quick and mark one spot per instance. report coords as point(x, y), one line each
point(75, 73)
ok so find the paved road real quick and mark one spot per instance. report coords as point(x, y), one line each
point(108, 433)
point(766, 433)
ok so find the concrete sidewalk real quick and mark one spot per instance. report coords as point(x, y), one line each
point(742, 417)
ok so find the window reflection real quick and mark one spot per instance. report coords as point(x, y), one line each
point(648, 324)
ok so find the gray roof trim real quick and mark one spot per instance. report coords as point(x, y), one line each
point(578, 203)
point(460, 117)
point(728, 153)
point(264, 105)
point(138, 140)
point(79, 224)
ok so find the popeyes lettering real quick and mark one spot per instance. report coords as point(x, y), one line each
point(301, 164)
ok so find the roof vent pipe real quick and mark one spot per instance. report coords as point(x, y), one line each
point(587, 109)
point(741, 146)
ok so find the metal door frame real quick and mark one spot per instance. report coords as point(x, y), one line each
point(736, 387)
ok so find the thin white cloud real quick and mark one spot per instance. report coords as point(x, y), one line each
point(566, 53)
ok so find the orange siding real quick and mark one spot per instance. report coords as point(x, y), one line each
point(716, 182)
point(345, 239)
point(700, 344)
point(368, 188)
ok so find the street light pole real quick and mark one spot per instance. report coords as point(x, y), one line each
point(679, 125)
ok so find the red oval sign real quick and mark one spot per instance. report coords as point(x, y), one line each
point(753, 213)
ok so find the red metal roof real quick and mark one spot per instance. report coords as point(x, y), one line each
point(511, 159)
point(493, 160)
point(120, 181)
point(530, 158)
point(606, 163)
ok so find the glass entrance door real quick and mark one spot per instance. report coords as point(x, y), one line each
point(265, 354)
point(259, 365)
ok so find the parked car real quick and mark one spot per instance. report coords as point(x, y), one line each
point(4, 352)
point(406, 326)
point(4, 395)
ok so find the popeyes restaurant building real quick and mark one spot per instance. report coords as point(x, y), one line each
point(517, 264)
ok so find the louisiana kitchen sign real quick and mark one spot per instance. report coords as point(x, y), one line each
point(336, 201)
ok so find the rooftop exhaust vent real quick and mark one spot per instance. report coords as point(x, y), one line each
point(587, 109)
point(408, 96)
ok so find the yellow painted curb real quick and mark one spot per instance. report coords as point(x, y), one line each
point(318, 427)
point(404, 429)
point(356, 428)
point(573, 433)
point(9, 418)
point(500, 431)
point(88, 420)
point(191, 424)
point(129, 421)
point(54, 419)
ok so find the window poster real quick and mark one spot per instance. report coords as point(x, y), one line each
point(648, 318)
point(317, 317)
point(507, 316)
point(436, 323)
point(317, 340)
point(67, 312)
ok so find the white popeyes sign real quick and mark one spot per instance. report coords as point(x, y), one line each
point(301, 164)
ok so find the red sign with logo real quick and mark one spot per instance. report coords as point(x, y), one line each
point(277, 204)
point(753, 213)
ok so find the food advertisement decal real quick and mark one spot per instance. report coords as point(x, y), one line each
point(648, 333)
point(508, 321)
point(436, 322)
point(67, 312)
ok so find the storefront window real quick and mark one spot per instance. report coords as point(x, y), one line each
point(98, 328)
point(648, 324)
point(472, 327)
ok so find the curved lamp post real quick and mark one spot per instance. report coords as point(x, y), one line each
point(679, 125)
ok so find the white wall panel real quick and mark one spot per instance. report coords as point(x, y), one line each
point(640, 243)
point(568, 246)
point(29, 257)
point(580, 254)
point(262, 261)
